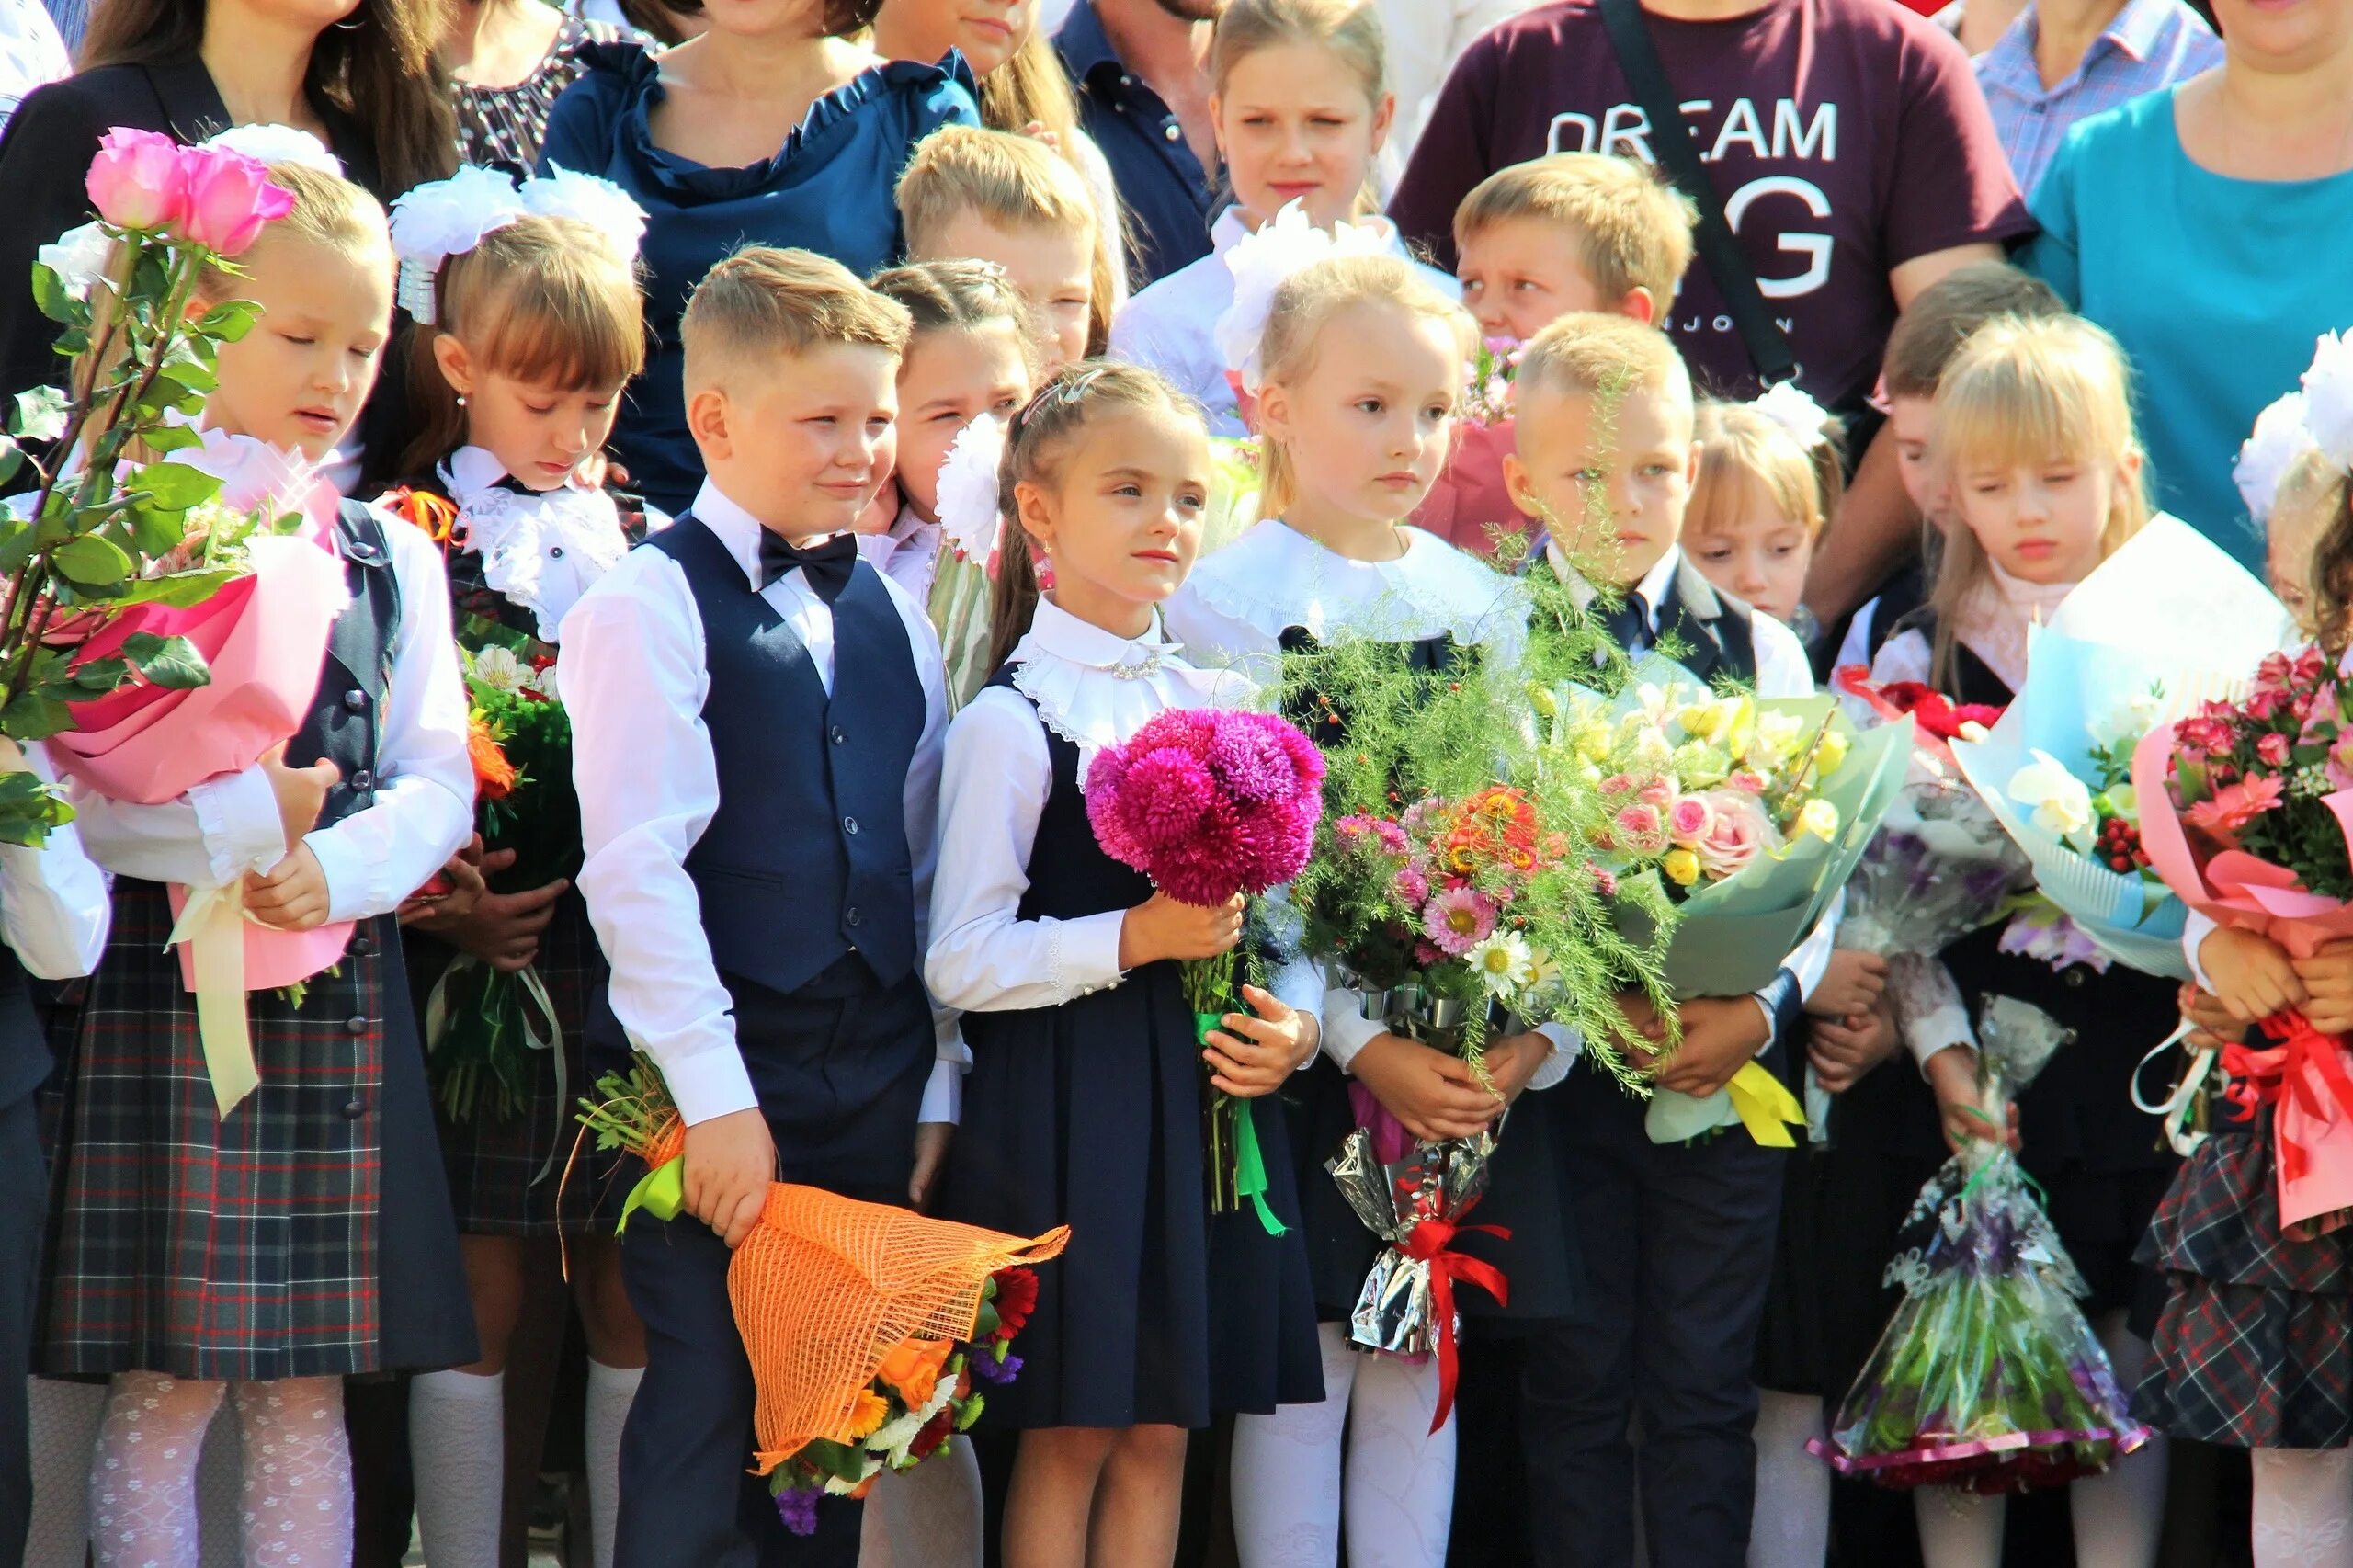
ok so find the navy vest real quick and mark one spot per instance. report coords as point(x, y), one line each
point(1713, 629)
point(345, 721)
point(806, 860)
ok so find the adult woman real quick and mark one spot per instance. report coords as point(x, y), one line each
point(510, 60)
point(358, 74)
point(1022, 89)
point(2188, 223)
point(772, 128)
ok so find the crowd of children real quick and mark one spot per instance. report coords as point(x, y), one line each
point(836, 875)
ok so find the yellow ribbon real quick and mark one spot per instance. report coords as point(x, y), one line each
point(212, 923)
point(1765, 1104)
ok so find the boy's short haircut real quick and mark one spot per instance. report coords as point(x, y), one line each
point(1633, 229)
point(1583, 353)
point(1933, 327)
point(1012, 182)
point(762, 302)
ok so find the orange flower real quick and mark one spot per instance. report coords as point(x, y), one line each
point(493, 775)
point(866, 1417)
point(913, 1368)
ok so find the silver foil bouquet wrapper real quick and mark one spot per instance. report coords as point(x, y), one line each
point(1399, 1310)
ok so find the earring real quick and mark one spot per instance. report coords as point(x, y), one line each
point(353, 22)
point(462, 400)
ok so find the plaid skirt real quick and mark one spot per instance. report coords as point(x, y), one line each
point(508, 1174)
point(2255, 1347)
point(253, 1246)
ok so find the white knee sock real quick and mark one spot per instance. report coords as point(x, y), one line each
point(143, 1476)
point(2304, 1509)
point(1398, 1490)
point(298, 1474)
point(1790, 1527)
point(1958, 1530)
point(457, 1444)
point(929, 1517)
point(1287, 1469)
point(65, 1418)
point(611, 1390)
point(2119, 1516)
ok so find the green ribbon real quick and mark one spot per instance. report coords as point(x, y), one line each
point(1249, 1162)
point(661, 1192)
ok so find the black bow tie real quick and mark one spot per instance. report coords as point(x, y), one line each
point(1629, 623)
point(827, 563)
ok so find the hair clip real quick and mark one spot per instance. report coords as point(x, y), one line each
point(1788, 405)
point(599, 203)
point(447, 218)
point(1069, 386)
point(1262, 261)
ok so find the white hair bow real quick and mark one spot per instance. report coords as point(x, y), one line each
point(1262, 261)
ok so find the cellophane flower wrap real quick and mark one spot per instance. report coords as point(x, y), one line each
point(971, 526)
point(1212, 802)
point(2245, 808)
point(1988, 1377)
point(872, 1331)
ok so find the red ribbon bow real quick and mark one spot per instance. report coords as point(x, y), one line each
point(2259, 1078)
point(1429, 1242)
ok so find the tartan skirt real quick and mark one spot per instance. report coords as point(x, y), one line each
point(2253, 1348)
point(259, 1245)
point(508, 1174)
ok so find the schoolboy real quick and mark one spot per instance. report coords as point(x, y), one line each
point(757, 721)
point(1571, 232)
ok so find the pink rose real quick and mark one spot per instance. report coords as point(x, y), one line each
point(1659, 793)
point(1734, 837)
point(1687, 820)
point(1748, 781)
point(137, 181)
point(1641, 830)
point(229, 198)
point(2273, 749)
point(1619, 784)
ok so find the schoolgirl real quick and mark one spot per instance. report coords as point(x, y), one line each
point(1301, 103)
point(304, 1236)
point(1083, 1104)
point(529, 324)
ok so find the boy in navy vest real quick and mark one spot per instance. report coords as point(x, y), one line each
point(757, 726)
point(1676, 1239)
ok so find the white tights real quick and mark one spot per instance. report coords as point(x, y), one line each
point(2117, 1517)
point(2304, 1509)
point(296, 1510)
point(1398, 1494)
point(1790, 1527)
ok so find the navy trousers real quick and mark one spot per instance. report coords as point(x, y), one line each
point(22, 1174)
point(1677, 1242)
point(839, 1066)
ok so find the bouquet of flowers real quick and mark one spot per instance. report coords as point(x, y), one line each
point(2166, 619)
point(1210, 804)
point(483, 1025)
point(970, 528)
point(1987, 1377)
point(1235, 486)
point(867, 1324)
point(2244, 807)
point(1468, 505)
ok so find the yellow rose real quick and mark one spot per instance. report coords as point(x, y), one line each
point(1830, 753)
point(1819, 818)
point(1681, 866)
point(1701, 719)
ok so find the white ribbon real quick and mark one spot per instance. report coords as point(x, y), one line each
point(212, 923)
point(2175, 1107)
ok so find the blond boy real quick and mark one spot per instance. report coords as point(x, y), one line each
point(1572, 232)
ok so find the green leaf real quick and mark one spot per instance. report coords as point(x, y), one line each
point(56, 301)
point(30, 809)
point(191, 375)
point(15, 544)
point(38, 415)
point(12, 458)
point(73, 341)
point(159, 438)
point(179, 590)
point(36, 714)
point(156, 530)
point(174, 486)
point(149, 280)
point(171, 662)
point(229, 321)
point(95, 677)
point(92, 560)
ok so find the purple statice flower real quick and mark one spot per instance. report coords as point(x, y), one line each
point(798, 1510)
point(990, 1366)
point(2055, 940)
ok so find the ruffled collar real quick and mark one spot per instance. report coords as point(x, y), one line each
point(540, 549)
point(639, 72)
point(1274, 579)
point(253, 473)
point(1095, 688)
point(1995, 623)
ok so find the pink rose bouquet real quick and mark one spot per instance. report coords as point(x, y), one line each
point(1210, 804)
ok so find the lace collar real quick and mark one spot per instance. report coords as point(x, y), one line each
point(1274, 579)
point(1095, 688)
point(540, 550)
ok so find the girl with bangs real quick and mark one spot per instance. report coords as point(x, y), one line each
point(2034, 427)
point(525, 339)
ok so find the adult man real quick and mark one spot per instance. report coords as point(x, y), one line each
point(2064, 60)
point(1144, 96)
point(1850, 148)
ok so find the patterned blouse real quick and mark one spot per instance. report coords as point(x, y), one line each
point(506, 125)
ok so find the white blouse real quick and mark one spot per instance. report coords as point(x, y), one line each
point(540, 549)
point(907, 554)
point(1094, 688)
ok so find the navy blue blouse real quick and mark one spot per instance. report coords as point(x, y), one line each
point(829, 189)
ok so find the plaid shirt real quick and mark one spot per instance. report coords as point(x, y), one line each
point(2150, 44)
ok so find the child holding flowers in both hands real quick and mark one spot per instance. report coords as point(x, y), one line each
point(529, 324)
point(1357, 376)
point(2034, 431)
point(1085, 1105)
point(304, 1234)
point(2251, 1350)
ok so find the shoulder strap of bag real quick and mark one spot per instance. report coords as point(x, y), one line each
point(1719, 248)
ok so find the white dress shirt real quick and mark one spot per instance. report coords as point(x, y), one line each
point(907, 553)
point(634, 682)
point(423, 807)
point(1095, 690)
point(54, 909)
point(1171, 325)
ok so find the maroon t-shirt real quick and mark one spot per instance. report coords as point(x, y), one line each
point(1845, 137)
